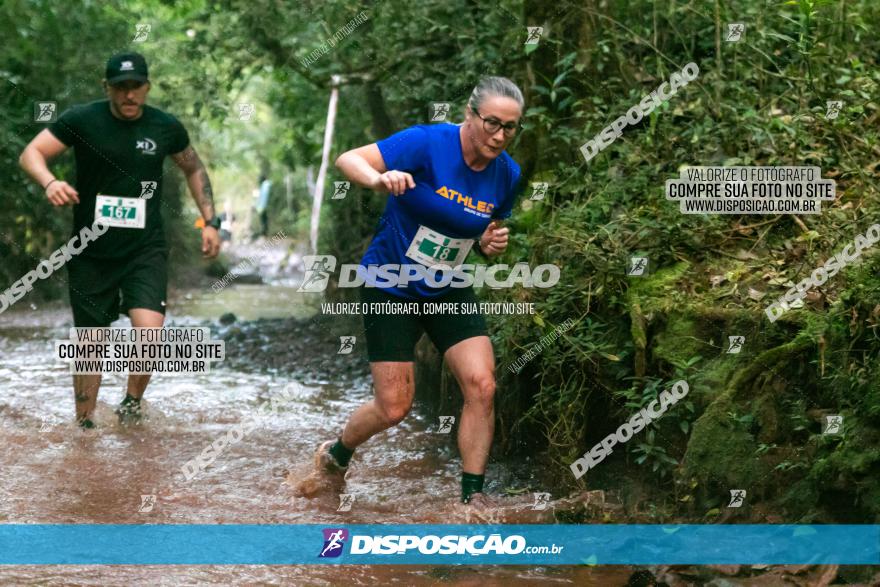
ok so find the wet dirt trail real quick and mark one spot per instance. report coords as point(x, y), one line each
point(53, 472)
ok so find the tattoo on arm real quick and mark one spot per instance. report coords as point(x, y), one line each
point(205, 196)
point(197, 178)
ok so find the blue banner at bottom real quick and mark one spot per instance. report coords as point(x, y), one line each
point(68, 544)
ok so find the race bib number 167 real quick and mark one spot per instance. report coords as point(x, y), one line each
point(121, 212)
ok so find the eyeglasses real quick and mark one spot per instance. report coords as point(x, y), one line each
point(491, 125)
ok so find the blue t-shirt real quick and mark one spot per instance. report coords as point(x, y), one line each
point(449, 197)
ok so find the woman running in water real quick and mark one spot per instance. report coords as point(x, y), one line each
point(450, 187)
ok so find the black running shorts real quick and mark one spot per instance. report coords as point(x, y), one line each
point(392, 335)
point(102, 288)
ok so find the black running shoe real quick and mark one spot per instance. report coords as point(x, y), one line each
point(129, 411)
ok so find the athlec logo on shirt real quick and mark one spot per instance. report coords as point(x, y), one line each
point(467, 201)
point(147, 146)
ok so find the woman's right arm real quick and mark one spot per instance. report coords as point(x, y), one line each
point(365, 167)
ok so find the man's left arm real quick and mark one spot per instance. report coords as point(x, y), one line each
point(200, 188)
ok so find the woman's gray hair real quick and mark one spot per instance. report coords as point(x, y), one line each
point(495, 86)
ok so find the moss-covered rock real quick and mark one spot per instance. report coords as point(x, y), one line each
point(721, 453)
point(679, 339)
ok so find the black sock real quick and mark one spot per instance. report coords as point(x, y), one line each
point(85, 423)
point(340, 453)
point(131, 401)
point(470, 484)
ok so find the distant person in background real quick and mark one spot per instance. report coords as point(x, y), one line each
point(227, 220)
point(263, 204)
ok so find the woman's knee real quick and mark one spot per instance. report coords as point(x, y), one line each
point(480, 388)
point(394, 389)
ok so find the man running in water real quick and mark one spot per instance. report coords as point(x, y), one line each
point(120, 145)
point(450, 184)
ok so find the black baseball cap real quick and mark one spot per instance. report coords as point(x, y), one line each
point(126, 66)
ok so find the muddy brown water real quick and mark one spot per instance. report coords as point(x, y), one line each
point(52, 472)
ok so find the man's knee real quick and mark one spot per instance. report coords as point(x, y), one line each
point(480, 388)
point(394, 412)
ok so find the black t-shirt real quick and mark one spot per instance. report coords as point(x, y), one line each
point(120, 159)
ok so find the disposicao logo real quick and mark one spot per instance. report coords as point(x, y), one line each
point(432, 544)
point(443, 545)
point(334, 541)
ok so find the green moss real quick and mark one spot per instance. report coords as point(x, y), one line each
point(720, 448)
point(712, 376)
point(679, 340)
point(720, 453)
point(767, 415)
point(657, 291)
point(638, 330)
point(801, 500)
